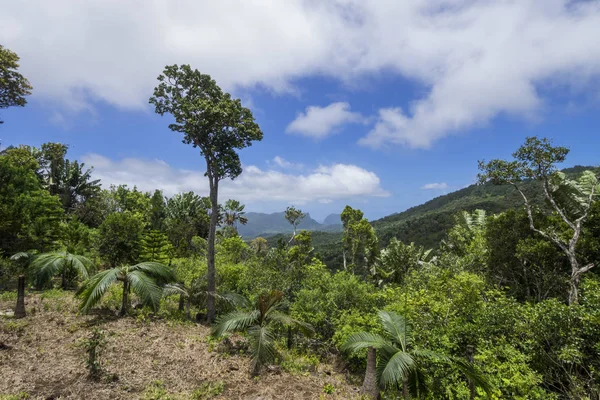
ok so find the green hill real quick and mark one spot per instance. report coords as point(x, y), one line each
point(427, 224)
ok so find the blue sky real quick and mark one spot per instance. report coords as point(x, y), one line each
point(373, 104)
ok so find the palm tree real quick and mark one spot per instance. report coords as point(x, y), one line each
point(22, 259)
point(143, 278)
point(398, 364)
point(234, 212)
point(259, 323)
point(196, 293)
point(47, 265)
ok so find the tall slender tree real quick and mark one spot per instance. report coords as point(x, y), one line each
point(216, 124)
point(294, 216)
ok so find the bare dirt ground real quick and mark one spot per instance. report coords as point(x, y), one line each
point(41, 356)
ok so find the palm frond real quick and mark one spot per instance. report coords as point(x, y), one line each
point(392, 371)
point(160, 272)
point(235, 321)
point(268, 301)
point(146, 288)
point(363, 340)
point(81, 264)
point(175, 288)
point(262, 346)
point(94, 288)
point(234, 299)
point(21, 256)
point(45, 266)
point(286, 320)
point(397, 327)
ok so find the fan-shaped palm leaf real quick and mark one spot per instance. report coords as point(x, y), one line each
point(396, 326)
point(363, 340)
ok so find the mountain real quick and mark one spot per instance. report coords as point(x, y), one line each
point(261, 224)
point(333, 219)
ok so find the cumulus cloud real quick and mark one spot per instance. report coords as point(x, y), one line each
point(324, 184)
point(283, 163)
point(475, 60)
point(435, 186)
point(320, 122)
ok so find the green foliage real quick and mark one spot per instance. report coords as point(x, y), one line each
point(186, 218)
point(13, 86)
point(259, 323)
point(144, 279)
point(360, 242)
point(208, 390)
point(93, 346)
point(119, 238)
point(18, 396)
point(232, 250)
point(155, 246)
point(45, 266)
point(29, 215)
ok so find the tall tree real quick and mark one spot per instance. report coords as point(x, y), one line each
point(570, 200)
point(13, 86)
point(359, 239)
point(233, 213)
point(217, 125)
point(294, 216)
point(157, 210)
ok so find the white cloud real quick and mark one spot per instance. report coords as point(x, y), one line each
point(324, 184)
point(320, 122)
point(476, 60)
point(435, 186)
point(283, 163)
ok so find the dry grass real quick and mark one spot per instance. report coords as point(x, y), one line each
point(142, 360)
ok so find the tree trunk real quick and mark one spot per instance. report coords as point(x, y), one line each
point(289, 338)
point(370, 389)
point(64, 279)
point(187, 309)
point(405, 393)
point(20, 308)
point(470, 358)
point(181, 302)
point(210, 301)
point(574, 288)
point(125, 299)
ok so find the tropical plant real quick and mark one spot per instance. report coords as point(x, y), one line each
point(398, 363)
point(215, 123)
point(144, 279)
point(233, 213)
point(196, 293)
point(47, 265)
point(259, 323)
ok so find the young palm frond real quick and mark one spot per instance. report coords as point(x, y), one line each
point(144, 279)
point(47, 265)
point(259, 324)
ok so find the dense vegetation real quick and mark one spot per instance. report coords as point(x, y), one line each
point(507, 305)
